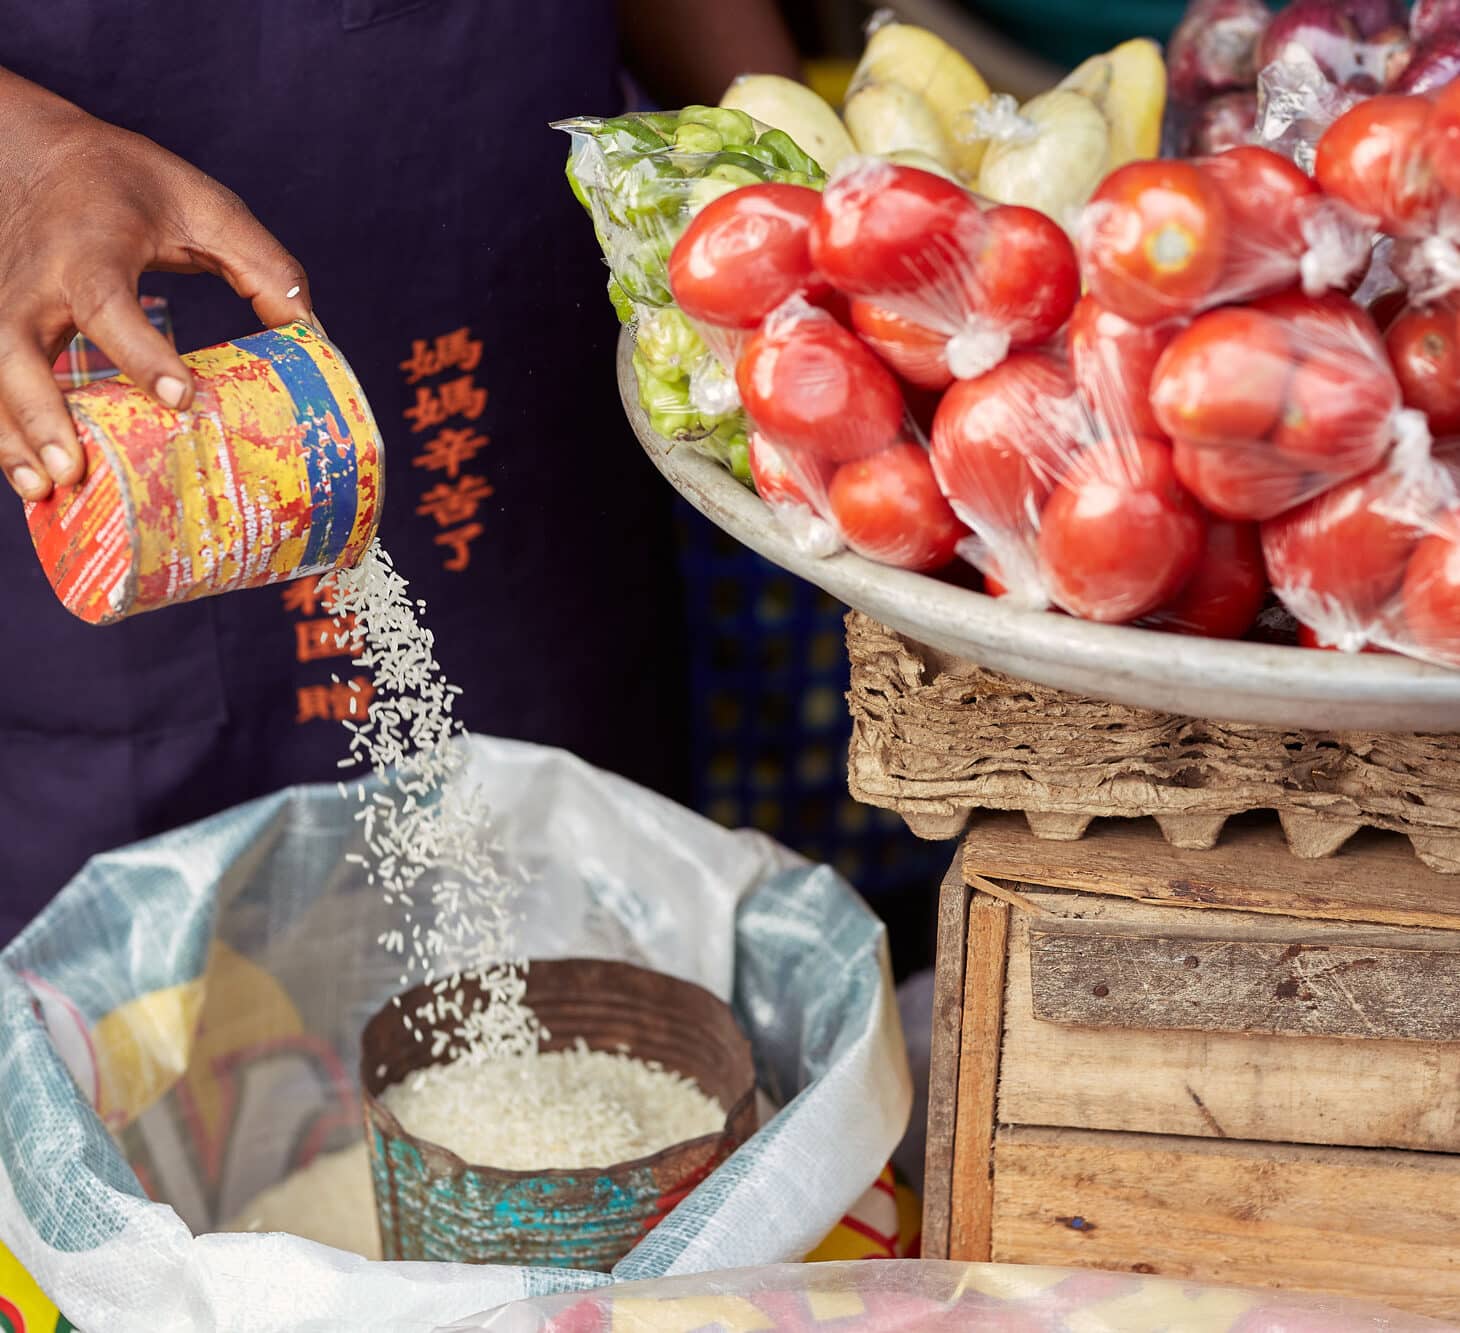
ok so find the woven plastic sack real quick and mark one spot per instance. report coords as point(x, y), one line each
point(201, 995)
point(908, 1296)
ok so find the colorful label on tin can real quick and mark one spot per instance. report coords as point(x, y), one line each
point(273, 473)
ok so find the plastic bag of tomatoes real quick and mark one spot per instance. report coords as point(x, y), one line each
point(1081, 507)
point(1374, 564)
point(842, 310)
point(1395, 159)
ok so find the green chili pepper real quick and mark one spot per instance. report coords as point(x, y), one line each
point(739, 452)
point(623, 307)
point(788, 154)
point(669, 344)
point(692, 137)
point(737, 169)
point(733, 127)
point(639, 134)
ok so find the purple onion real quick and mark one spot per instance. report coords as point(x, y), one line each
point(1432, 18)
point(1224, 122)
point(1360, 43)
point(1433, 64)
point(1214, 48)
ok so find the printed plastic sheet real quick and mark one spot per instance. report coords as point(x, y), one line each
point(179, 1030)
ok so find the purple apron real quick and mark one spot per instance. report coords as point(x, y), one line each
point(399, 148)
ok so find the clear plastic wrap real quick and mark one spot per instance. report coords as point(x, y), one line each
point(1359, 44)
point(1375, 562)
point(1067, 506)
point(1270, 404)
point(1296, 103)
point(835, 451)
point(1164, 240)
point(941, 287)
point(1395, 159)
point(909, 1296)
point(1214, 49)
point(643, 179)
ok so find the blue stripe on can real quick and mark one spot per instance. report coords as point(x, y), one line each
point(332, 467)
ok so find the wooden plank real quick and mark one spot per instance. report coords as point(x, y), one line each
point(947, 1042)
point(1175, 981)
point(1381, 1226)
point(971, 1201)
point(1375, 878)
point(1282, 1089)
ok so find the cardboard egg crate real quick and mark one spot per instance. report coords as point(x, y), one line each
point(936, 738)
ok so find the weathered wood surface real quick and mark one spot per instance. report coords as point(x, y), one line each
point(1255, 986)
point(1374, 879)
point(1381, 1226)
point(1322, 1090)
point(944, 1055)
point(978, 1078)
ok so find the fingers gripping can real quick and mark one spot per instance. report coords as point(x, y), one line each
point(274, 473)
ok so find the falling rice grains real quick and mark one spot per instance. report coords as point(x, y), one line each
point(427, 830)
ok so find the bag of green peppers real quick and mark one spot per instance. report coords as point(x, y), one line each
point(641, 179)
point(684, 390)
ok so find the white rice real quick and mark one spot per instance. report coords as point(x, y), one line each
point(428, 837)
point(555, 1110)
point(330, 1201)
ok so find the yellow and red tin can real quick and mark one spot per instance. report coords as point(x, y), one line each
point(274, 473)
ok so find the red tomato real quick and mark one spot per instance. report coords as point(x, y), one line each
point(1242, 482)
point(1154, 240)
point(809, 384)
point(1223, 377)
point(1265, 196)
point(885, 230)
point(744, 253)
point(1442, 138)
point(1113, 361)
point(1338, 416)
point(1223, 597)
point(1000, 441)
point(1371, 157)
point(1424, 349)
point(992, 584)
point(1114, 550)
point(1336, 561)
point(889, 509)
point(1026, 278)
point(781, 479)
point(1331, 322)
point(1432, 595)
point(915, 352)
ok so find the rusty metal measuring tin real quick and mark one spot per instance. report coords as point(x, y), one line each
point(275, 472)
point(433, 1205)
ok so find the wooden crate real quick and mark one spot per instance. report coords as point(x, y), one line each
point(1231, 1065)
point(936, 738)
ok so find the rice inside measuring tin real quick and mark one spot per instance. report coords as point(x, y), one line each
point(553, 1111)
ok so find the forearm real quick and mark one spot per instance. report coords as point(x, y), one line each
point(688, 51)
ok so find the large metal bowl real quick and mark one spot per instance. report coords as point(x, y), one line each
point(1234, 682)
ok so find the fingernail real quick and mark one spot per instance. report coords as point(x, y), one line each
point(28, 481)
point(170, 390)
point(292, 292)
point(57, 461)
